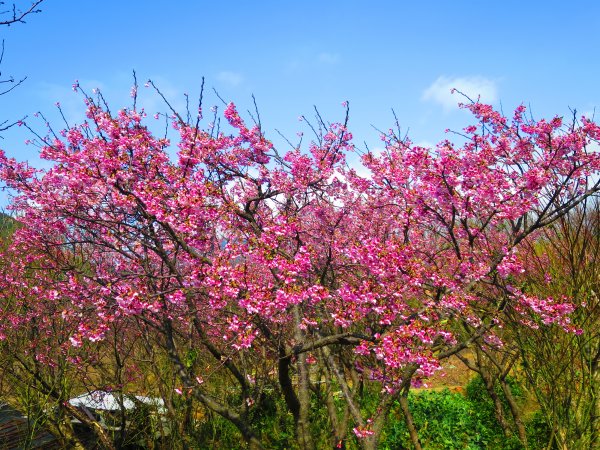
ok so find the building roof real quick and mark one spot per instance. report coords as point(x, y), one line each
point(15, 430)
point(108, 401)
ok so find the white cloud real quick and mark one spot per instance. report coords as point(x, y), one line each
point(71, 103)
point(309, 59)
point(590, 114)
point(149, 99)
point(425, 144)
point(362, 171)
point(474, 87)
point(329, 58)
point(593, 147)
point(293, 65)
point(230, 78)
point(116, 92)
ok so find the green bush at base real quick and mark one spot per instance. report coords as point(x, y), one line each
point(445, 420)
point(449, 420)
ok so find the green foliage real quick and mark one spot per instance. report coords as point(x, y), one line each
point(538, 432)
point(444, 420)
point(190, 357)
point(476, 392)
point(477, 395)
point(214, 432)
point(271, 417)
point(448, 420)
point(275, 422)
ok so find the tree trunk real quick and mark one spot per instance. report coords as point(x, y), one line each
point(338, 427)
point(595, 407)
point(64, 429)
point(303, 425)
point(488, 382)
point(104, 439)
point(515, 411)
point(498, 408)
point(305, 439)
point(410, 424)
point(209, 402)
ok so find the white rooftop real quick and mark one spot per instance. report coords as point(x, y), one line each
point(107, 401)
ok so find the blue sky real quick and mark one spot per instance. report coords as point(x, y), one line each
point(378, 55)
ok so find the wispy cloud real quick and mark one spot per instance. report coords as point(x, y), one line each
point(329, 58)
point(308, 59)
point(233, 79)
point(151, 101)
point(116, 91)
point(440, 90)
point(425, 144)
point(71, 103)
point(590, 114)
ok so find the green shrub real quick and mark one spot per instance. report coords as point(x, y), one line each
point(538, 432)
point(447, 420)
point(271, 418)
point(480, 400)
point(444, 420)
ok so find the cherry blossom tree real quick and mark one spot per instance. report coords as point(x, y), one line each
point(289, 269)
